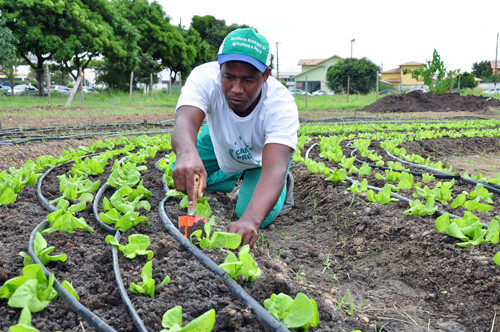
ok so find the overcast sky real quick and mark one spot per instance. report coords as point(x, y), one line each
point(387, 32)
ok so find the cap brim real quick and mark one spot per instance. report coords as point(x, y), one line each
point(223, 58)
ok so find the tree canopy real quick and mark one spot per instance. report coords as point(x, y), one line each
point(116, 37)
point(361, 73)
point(482, 70)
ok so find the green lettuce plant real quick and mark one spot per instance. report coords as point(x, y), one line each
point(137, 245)
point(172, 321)
point(299, 313)
point(243, 265)
point(218, 240)
point(42, 252)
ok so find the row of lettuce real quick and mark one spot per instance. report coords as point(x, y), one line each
point(125, 208)
point(431, 196)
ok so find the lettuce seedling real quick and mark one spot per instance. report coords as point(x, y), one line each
point(24, 323)
point(147, 285)
point(42, 252)
point(382, 197)
point(64, 219)
point(218, 240)
point(294, 314)
point(137, 245)
point(337, 175)
point(243, 265)
point(357, 187)
point(172, 321)
point(418, 209)
point(126, 174)
point(32, 290)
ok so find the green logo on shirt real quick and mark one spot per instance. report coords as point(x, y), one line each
point(243, 155)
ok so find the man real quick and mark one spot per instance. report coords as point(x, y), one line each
point(251, 132)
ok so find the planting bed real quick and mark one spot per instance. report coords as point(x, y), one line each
point(367, 265)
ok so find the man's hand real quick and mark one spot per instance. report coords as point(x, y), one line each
point(247, 229)
point(188, 120)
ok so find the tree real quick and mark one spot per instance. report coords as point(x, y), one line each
point(482, 70)
point(467, 80)
point(361, 73)
point(8, 58)
point(433, 70)
point(96, 29)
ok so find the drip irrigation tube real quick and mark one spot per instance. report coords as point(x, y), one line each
point(121, 288)
point(393, 195)
point(491, 188)
point(77, 307)
point(123, 292)
point(262, 314)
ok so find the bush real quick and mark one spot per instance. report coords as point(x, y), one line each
point(362, 74)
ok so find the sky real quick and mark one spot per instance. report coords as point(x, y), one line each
point(387, 32)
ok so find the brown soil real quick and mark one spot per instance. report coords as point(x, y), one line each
point(401, 274)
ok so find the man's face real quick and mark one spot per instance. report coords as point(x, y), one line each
point(242, 85)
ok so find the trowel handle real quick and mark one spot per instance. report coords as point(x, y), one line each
point(192, 205)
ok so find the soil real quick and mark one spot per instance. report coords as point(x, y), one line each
point(394, 272)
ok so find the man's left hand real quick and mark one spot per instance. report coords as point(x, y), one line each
point(248, 231)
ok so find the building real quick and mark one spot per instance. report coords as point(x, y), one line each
point(492, 67)
point(313, 73)
point(403, 75)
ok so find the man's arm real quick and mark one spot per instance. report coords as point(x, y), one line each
point(275, 160)
point(188, 120)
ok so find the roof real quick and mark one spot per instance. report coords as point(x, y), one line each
point(492, 64)
point(309, 62)
point(411, 63)
point(392, 71)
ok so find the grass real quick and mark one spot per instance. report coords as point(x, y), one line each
point(118, 103)
point(112, 103)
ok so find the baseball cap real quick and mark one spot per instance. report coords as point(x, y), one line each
point(248, 46)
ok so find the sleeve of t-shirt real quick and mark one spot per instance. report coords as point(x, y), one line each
point(282, 126)
point(198, 88)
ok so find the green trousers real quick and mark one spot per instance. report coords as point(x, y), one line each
point(217, 180)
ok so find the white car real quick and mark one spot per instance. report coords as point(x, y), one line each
point(298, 92)
point(87, 89)
point(423, 90)
point(64, 90)
point(24, 90)
point(492, 91)
point(321, 92)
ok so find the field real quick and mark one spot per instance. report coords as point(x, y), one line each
point(369, 266)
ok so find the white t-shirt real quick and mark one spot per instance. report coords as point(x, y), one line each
point(239, 141)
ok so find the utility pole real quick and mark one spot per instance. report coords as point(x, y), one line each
point(496, 67)
point(352, 41)
point(277, 63)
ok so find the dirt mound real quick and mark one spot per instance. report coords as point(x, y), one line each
point(417, 101)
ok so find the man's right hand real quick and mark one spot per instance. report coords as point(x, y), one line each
point(188, 120)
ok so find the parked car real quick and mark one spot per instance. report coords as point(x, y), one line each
point(423, 90)
point(492, 91)
point(387, 92)
point(298, 92)
point(24, 90)
point(64, 90)
point(321, 92)
point(87, 89)
point(5, 90)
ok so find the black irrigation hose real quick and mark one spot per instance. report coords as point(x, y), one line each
point(393, 195)
point(77, 307)
point(79, 136)
point(492, 188)
point(15, 130)
point(439, 176)
point(123, 293)
point(262, 314)
point(116, 267)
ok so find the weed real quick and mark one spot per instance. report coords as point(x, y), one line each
point(298, 275)
point(351, 307)
point(327, 263)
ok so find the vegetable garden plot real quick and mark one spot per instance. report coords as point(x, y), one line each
point(366, 264)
